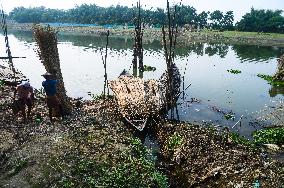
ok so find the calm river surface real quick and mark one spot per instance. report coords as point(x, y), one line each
point(204, 66)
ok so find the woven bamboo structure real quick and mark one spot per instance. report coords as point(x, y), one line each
point(139, 100)
point(46, 39)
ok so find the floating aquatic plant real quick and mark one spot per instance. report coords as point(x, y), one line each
point(149, 68)
point(229, 116)
point(234, 71)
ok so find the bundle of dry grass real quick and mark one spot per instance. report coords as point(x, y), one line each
point(46, 39)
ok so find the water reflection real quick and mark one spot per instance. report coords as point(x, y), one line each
point(217, 49)
point(257, 53)
point(245, 53)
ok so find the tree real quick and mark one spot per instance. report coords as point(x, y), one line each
point(202, 19)
point(228, 21)
point(262, 21)
point(186, 15)
point(216, 18)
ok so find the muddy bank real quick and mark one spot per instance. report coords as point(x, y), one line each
point(184, 37)
point(204, 157)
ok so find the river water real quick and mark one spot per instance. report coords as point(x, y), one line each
point(213, 93)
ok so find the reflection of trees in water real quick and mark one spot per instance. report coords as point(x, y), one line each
point(23, 36)
point(257, 53)
point(196, 48)
point(217, 49)
point(243, 52)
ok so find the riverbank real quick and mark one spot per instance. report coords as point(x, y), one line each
point(94, 147)
point(206, 36)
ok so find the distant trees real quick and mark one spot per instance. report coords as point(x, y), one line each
point(256, 20)
point(228, 21)
point(90, 14)
point(222, 21)
point(262, 21)
point(202, 19)
point(216, 19)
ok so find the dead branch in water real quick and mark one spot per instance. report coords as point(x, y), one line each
point(138, 42)
point(104, 58)
point(169, 43)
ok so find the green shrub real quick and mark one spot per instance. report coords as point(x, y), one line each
point(240, 139)
point(174, 141)
point(271, 80)
point(269, 136)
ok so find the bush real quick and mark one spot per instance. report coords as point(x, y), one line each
point(269, 136)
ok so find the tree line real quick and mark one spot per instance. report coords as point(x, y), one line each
point(255, 20)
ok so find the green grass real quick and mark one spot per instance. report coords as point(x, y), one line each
point(174, 141)
point(243, 34)
point(238, 139)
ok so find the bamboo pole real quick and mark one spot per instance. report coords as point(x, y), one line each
point(8, 49)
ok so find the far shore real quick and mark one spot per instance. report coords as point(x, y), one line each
point(206, 36)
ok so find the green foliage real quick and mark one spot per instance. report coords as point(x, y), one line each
point(229, 116)
point(234, 71)
point(118, 15)
point(262, 21)
point(240, 139)
point(202, 19)
point(269, 136)
point(216, 18)
point(174, 141)
point(271, 80)
point(149, 68)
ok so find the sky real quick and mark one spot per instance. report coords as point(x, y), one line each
point(240, 7)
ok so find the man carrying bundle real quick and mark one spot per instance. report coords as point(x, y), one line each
point(50, 88)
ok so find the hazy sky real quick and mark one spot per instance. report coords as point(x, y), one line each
point(240, 7)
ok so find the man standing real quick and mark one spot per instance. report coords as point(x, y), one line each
point(50, 88)
point(25, 98)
